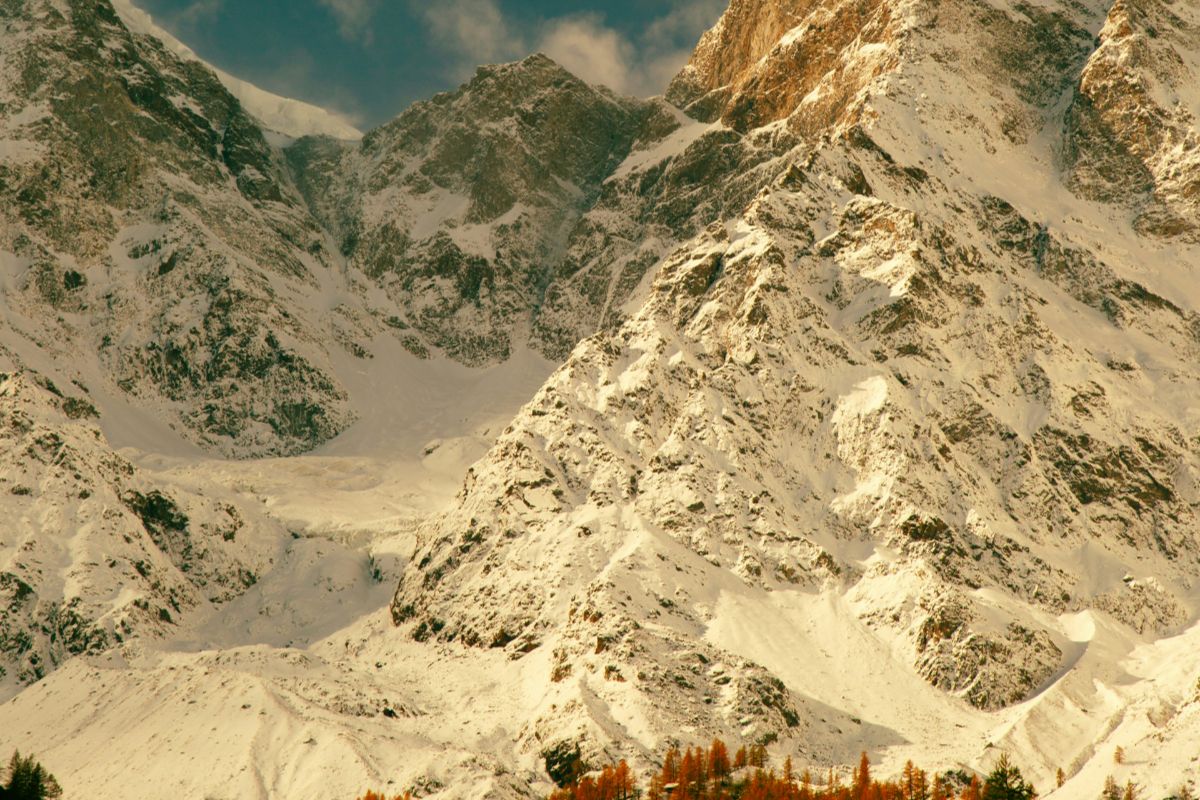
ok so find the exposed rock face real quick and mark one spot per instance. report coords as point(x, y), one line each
point(146, 212)
point(893, 377)
point(1132, 135)
point(806, 60)
point(463, 205)
point(94, 553)
point(666, 192)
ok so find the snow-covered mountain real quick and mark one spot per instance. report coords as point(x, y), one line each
point(463, 205)
point(282, 115)
point(872, 427)
point(153, 245)
point(919, 376)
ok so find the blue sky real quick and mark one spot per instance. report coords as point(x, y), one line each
point(370, 59)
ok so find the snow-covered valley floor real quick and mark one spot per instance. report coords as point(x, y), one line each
point(328, 701)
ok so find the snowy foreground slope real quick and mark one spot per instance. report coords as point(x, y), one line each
point(873, 425)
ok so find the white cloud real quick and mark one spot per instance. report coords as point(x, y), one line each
point(198, 11)
point(191, 18)
point(669, 41)
point(353, 18)
point(586, 48)
point(476, 32)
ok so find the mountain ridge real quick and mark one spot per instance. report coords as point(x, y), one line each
point(283, 115)
point(871, 382)
point(1019, 434)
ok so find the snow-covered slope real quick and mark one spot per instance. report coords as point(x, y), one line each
point(917, 375)
point(874, 426)
point(293, 118)
point(93, 550)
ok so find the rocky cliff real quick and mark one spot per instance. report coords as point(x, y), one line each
point(913, 374)
point(1131, 127)
point(151, 226)
point(877, 343)
point(97, 552)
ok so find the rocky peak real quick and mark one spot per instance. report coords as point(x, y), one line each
point(558, 126)
point(511, 134)
point(462, 207)
point(765, 61)
point(1132, 135)
point(147, 210)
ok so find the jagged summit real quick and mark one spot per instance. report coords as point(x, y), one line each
point(463, 206)
point(765, 61)
point(522, 209)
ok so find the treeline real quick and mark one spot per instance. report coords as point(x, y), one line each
point(711, 774)
point(1132, 791)
point(26, 779)
point(699, 773)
